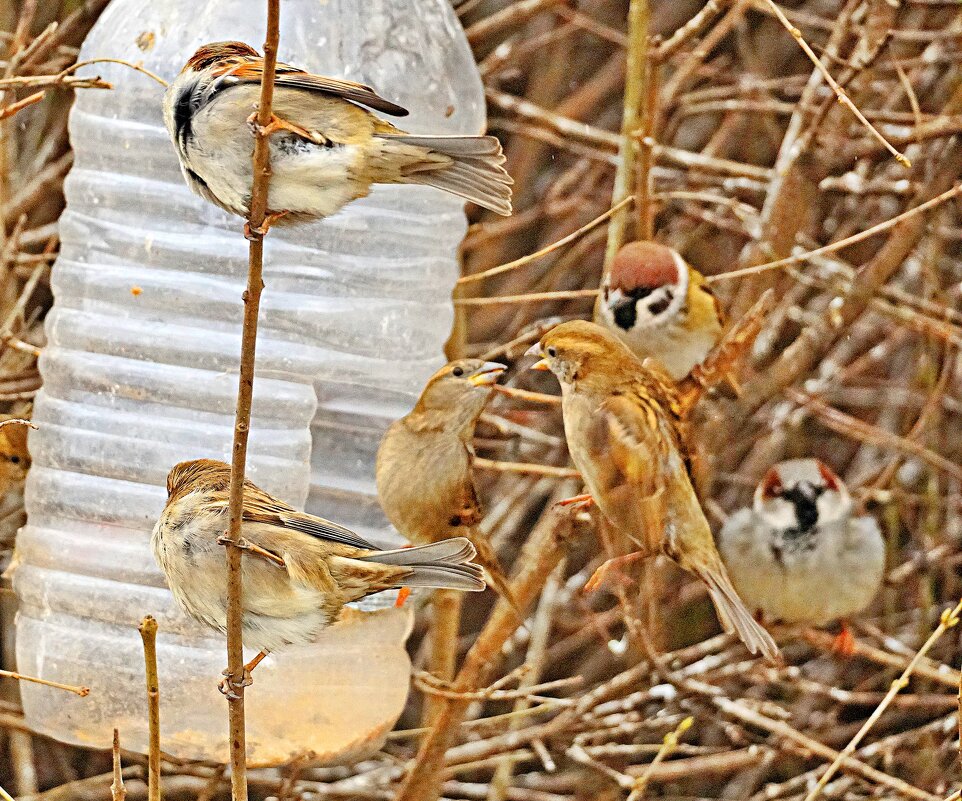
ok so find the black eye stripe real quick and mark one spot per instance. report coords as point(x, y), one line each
point(659, 306)
point(626, 314)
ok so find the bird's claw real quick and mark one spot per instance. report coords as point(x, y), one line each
point(578, 502)
point(252, 234)
point(229, 688)
point(402, 595)
point(599, 576)
point(275, 124)
point(255, 233)
point(844, 643)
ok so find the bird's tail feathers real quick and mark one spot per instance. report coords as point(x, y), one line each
point(734, 615)
point(492, 566)
point(474, 169)
point(441, 565)
point(466, 577)
point(456, 550)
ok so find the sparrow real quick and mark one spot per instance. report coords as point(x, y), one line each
point(627, 437)
point(326, 147)
point(660, 307)
point(423, 466)
point(800, 554)
point(298, 571)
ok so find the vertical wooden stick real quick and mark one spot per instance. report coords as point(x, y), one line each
point(646, 147)
point(445, 626)
point(545, 548)
point(118, 792)
point(636, 90)
point(148, 633)
point(242, 420)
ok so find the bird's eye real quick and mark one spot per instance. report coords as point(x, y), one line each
point(15, 459)
point(552, 351)
point(458, 371)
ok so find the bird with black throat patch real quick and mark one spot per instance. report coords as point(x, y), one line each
point(800, 553)
point(326, 148)
point(660, 307)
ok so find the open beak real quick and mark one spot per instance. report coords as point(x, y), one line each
point(487, 374)
point(535, 350)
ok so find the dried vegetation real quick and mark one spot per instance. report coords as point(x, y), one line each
point(750, 159)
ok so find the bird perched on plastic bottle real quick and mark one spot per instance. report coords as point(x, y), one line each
point(800, 554)
point(626, 437)
point(298, 570)
point(326, 147)
point(659, 306)
point(423, 468)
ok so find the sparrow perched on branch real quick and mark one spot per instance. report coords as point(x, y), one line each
point(800, 554)
point(659, 306)
point(298, 571)
point(626, 437)
point(423, 468)
point(326, 150)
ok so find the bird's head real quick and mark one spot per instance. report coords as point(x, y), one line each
point(799, 494)
point(460, 389)
point(578, 351)
point(198, 474)
point(646, 287)
point(220, 54)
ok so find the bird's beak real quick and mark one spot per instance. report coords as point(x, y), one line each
point(535, 350)
point(487, 374)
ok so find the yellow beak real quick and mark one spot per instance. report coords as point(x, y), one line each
point(487, 374)
point(535, 350)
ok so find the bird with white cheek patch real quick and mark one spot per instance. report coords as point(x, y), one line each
point(660, 307)
point(298, 571)
point(800, 554)
point(326, 148)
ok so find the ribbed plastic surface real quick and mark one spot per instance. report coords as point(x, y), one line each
point(140, 373)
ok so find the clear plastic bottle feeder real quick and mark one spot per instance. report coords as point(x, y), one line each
point(140, 372)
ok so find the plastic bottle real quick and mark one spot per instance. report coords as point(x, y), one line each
point(140, 372)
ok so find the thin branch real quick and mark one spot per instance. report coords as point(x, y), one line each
point(632, 122)
point(13, 108)
point(136, 67)
point(541, 554)
point(668, 745)
point(526, 468)
point(118, 792)
point(948, 619)
point(513, 265)
point(242, 421)
point(83, 692)
point(148, 633)
point(954, 192)
point(527, 395)
point(839, 92)
point(532, 297)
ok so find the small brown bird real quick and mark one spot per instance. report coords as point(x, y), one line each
point(326, 149)
point(801, 553)
point(423, 468)
point(659, 306)
point(298, 571)
point(626, 437)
